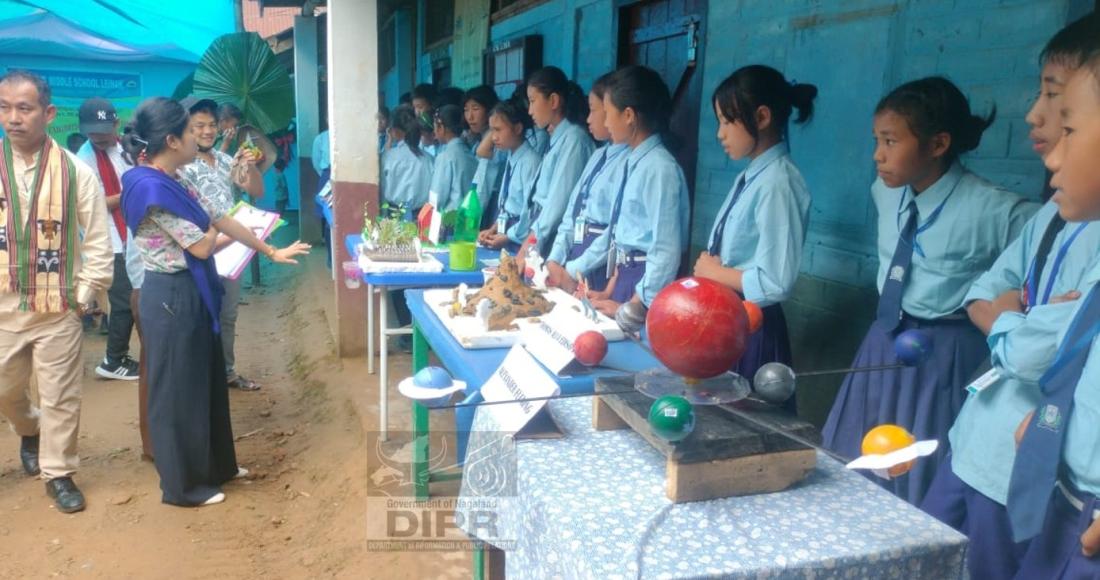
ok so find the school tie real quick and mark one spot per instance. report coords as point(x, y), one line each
point(715, 247)
point(1035, 470)
point(889, 312)
point(582, 196)
point(504, 190)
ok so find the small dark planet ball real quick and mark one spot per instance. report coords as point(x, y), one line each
point(774, 382)
point(697, 327)
point(913, 347)
point(671, 418)
point(590, 347)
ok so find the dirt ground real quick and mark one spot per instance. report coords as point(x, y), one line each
point(300, 514)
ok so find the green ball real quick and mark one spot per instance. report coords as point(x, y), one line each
point(671, 418)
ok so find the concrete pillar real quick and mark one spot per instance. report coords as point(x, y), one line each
point(353, 133)
point(307, 102)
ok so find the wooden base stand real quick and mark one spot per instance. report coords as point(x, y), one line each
point(724, 456)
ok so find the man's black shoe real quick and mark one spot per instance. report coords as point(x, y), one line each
point(65, 494)
point(28, 454)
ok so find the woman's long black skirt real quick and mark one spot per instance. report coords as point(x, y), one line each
point(188, 395)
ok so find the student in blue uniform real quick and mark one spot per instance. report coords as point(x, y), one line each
point(557, 105)
point(477, 105)
point(424, 98)
point(1046, 265)
point(939, 228)
point(508, 126)
point(454, 167)
point(1055, 484)
point(755, 245)
point(406, 170)
point(589, 210)
point(648, 227)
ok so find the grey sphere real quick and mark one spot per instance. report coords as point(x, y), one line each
point(774, 383)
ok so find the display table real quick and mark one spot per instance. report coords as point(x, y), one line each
point(382, 283)
point(592, 505)
point(474, 367)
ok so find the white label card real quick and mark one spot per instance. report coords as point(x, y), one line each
point(436, 225)
point(518, 378)
point(985, 381)
point(551, 341)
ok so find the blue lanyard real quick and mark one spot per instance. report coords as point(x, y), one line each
point(586, 186)
point(931, 218)
point(627, 170)
point(1031, 283)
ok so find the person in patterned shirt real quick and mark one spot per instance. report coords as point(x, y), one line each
point(211, 175)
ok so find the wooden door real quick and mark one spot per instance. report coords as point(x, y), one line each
point(667, 36)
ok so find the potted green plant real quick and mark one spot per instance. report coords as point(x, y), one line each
point(389, 237)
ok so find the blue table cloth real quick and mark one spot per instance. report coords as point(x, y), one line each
point(476, 366)
point(593, 505)
point(447, 277)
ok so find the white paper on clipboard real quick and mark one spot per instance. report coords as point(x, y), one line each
point(232, 260)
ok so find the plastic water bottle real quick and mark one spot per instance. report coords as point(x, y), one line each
point(468, 223)
point(532, 261)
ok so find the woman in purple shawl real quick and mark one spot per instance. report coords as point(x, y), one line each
point(179, 306)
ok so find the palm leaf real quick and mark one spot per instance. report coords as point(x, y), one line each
point(240, 68)
point(185, 87)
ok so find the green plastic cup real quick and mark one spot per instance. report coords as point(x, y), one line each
point(463, 256)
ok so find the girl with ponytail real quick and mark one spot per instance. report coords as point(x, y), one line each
point(755, 244)
point(558, 106)
point(939, 228)
point(406, 169)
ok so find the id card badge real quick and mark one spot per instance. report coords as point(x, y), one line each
point(578, 232)
point(502, 224)
point(612, 256)
point(984, 382)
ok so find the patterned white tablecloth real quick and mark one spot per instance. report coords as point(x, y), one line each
point(592, 505)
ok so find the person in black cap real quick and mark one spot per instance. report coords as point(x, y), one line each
point(99, 123)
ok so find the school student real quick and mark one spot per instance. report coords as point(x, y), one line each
point(454, 167)
point(477, 105)
point(755, 245)
point(424, 98)
point(508, 126)
point(1055, 482)
point(557, 105)
point(406, 170)
point(1014, 304)
point(939, 228)
point(648, 227)
point(589, 210)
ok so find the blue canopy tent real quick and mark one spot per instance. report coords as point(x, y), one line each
point(123, 50)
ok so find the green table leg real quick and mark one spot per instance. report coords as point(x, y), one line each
point(479, 562)
point(420, 421)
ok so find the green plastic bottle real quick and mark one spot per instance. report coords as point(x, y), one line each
point(468, 223)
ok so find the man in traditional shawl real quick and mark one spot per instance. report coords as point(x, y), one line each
point(55, 255)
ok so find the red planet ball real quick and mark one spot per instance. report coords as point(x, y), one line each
point(590, 348)
point(697, 327)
